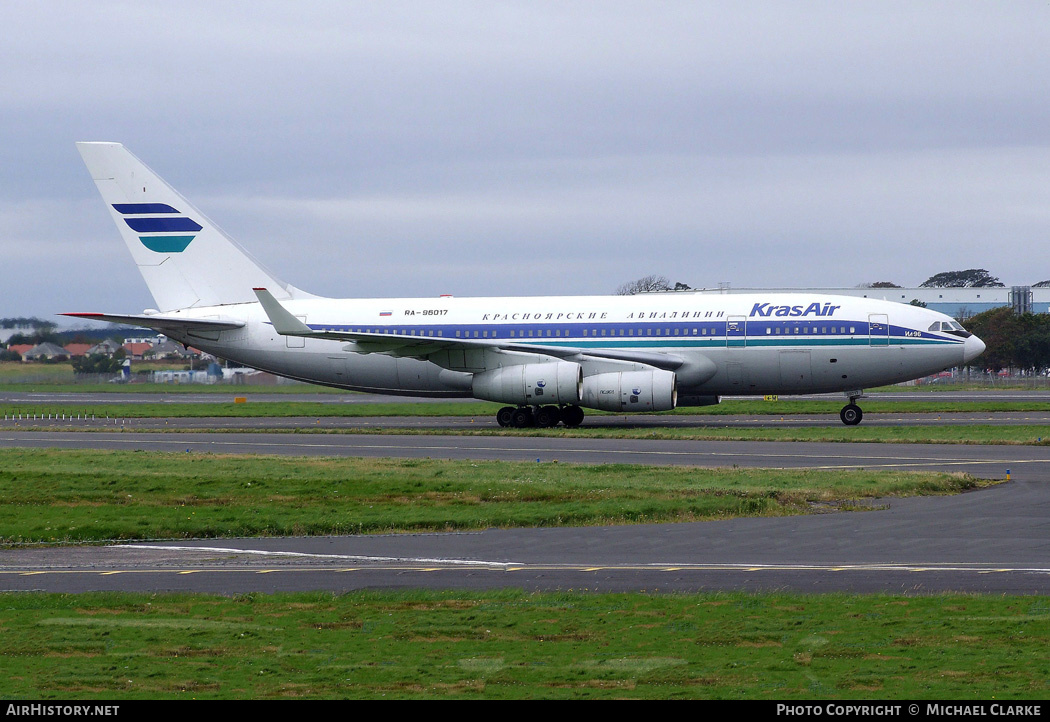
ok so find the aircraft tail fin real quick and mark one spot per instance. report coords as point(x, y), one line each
point(184, 258)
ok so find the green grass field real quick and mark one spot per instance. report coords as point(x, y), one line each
point(88, 496)
point(513, 645)
point(772, 429)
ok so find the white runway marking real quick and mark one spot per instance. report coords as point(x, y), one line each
point(307, 555)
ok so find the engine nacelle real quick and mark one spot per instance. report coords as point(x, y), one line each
point(631, 391)
point(557, 382)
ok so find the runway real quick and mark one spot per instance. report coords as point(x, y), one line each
point(986, 461)
point(995, 540)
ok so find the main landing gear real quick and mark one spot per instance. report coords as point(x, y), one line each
point(543, 417)
point(851, 414)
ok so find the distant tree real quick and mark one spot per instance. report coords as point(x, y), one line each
point(9, 355)
point(1032, 348)
point(1041, 284)
point(28, 322)
point(96, 363)
point(880, 284)
point(1013, 340)
point(646, 284)
point(997, 327)
point(971, 278)
point(34, 338)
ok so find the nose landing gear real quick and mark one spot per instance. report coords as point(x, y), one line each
point(851, 414)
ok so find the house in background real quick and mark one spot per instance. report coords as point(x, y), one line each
point(21, 349)
point(46, 350)
point(108, 347)
point(136, 350)
point(167, 349)
point(77, 349)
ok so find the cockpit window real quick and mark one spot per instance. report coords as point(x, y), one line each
point(953, 327)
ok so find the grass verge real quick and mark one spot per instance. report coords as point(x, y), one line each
point(175, 409)
point(510, 644)
point(1019, 434)
point(53, 495)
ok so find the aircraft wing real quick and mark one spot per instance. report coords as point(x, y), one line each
point(163, 323)
point(423, 346)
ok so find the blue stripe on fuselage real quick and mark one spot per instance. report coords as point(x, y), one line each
point(710, 334)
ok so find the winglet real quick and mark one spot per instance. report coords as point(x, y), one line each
point(283, 322)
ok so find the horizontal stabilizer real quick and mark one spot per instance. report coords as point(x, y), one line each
point(162, 323)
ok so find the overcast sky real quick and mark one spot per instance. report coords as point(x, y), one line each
point(531, 148)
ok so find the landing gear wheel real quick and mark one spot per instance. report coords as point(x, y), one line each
point(547, 417)
point(572, 416)
point(505, 416)
point(851, 415)
point(521, 418)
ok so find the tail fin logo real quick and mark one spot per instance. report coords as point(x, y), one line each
point(165, 231)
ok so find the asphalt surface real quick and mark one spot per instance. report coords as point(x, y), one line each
point(995, 540)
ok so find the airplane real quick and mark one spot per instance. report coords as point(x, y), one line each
point(545, 358)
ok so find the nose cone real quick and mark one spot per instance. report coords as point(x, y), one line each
point(973, 348)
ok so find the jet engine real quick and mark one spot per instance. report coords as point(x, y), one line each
point(556, 382)
point(654, 390)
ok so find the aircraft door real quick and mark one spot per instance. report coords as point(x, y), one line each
point(736, 331)
point(879, 329)
point(796, 370)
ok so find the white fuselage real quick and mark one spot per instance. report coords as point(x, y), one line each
point(729, 344)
